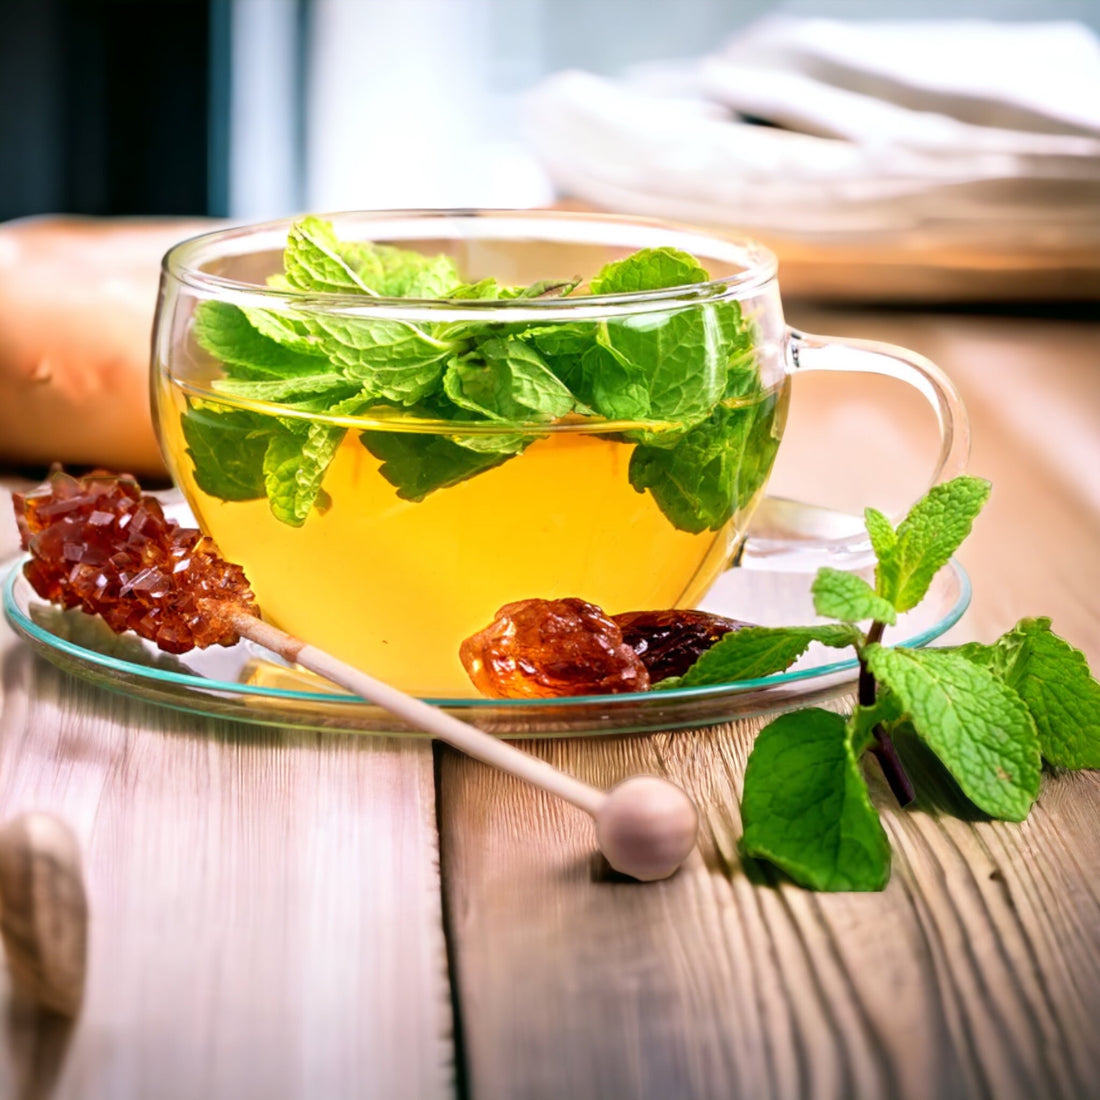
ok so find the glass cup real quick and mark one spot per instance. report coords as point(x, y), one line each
point(392, 471)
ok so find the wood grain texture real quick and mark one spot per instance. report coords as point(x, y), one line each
point(265, 905)
point(975, 974)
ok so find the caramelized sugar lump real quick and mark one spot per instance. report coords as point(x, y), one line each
point(670, 642)
point(541, 649)
point(100, 544)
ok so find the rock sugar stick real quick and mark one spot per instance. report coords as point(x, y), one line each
point(100, 544)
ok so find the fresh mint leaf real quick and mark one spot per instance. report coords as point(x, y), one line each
point(408, 274)
point(612, 386)
point(975, 724)
point(926, 539)
point(416, 465)
point(648, 269)
point(756, 651)
point(840, 595)
point(392, 360)
point(315, 260)
point(671, 366)
point(806, 808)
point(1054, 682)
point(227, 450)
point(881, 530)
point(483, 290)
point(701, 479)
point(224, 332)
point(677, 362)
point(565, 340)
point(544, 288)
point(283, 327)
point(507, 379)
point(334, 387)
point(294, 466)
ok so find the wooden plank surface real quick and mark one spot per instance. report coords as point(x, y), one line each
point(976, 973)
point(265, 905)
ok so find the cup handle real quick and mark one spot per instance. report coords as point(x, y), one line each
point(788, 536)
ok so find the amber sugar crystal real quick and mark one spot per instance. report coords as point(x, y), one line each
point(538, 649)
point(100, 544)
point(549, 648)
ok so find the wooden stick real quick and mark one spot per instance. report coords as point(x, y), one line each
point(645, 826)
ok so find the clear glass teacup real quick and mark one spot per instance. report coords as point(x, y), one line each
point(392, 470)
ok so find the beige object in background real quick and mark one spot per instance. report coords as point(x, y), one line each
point(77, 298)
point(44, 911)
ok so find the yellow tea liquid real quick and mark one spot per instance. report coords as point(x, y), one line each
point(393, 587)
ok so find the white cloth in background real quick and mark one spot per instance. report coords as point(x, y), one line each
point(958, 132)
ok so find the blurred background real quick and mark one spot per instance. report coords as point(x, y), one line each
point(255, 108)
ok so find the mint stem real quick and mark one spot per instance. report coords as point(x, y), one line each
point(884, 749)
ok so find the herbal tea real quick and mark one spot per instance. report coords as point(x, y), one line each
point(392, 453)
point(393, 586)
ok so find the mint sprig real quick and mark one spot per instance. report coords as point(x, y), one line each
point(990, 713)
point(687, 375)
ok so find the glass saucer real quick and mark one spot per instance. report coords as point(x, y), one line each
point(245, 683)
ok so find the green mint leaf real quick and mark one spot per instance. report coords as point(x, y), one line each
point(881, 530)
point(507, 379)
point(806, 807)
point(648, 269)
point(283, 327)
point(315, 260)
point(294, 466)
point(544, 288)
point(334, 387)
point(407, 274)
point(392, 360)
point(756, 651)
point(839, 595)
point(740, 348)
point(926, 539)
point(701, 479)
point(678, 361)
point(613, 387)
point(1054, 681)
point(227, 449)
point(566, 340)
point(224, 332)
point(289, 331)
point(416, 465)
point(483, 290)
point(670, 366)
point(975, 724)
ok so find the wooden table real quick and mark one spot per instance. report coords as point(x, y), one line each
point(295, 915)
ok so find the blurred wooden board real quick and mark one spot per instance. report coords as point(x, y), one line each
point(931, 275)
point(913, 268)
